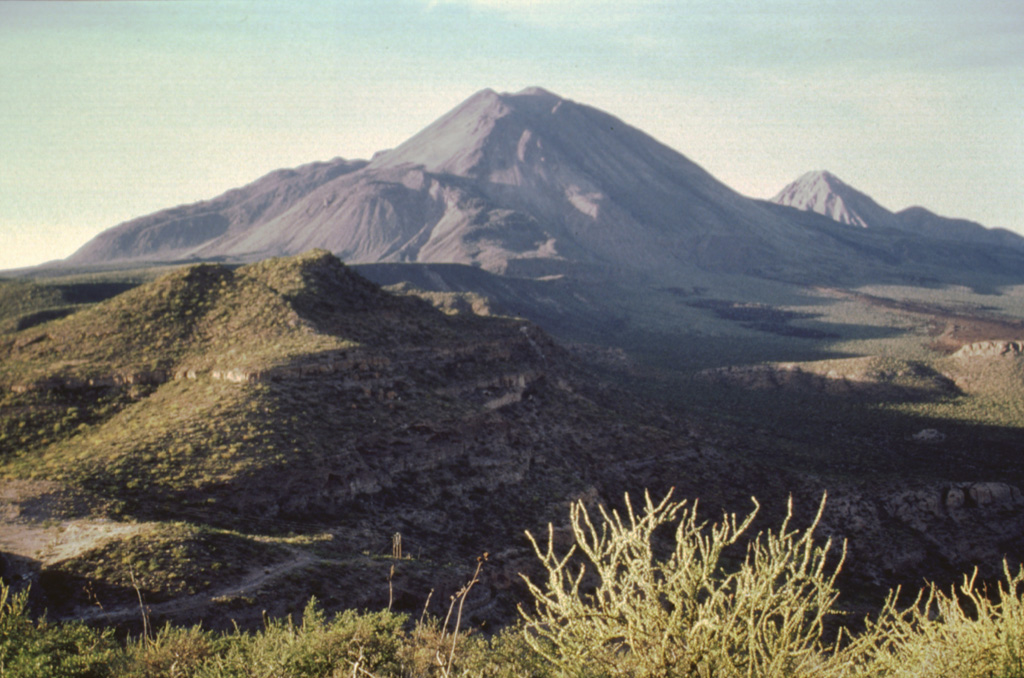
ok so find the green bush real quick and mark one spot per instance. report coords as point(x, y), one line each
point(174, 652)
point(317, 648)
point(37, 649)
point(682, 615)
point(963, 633)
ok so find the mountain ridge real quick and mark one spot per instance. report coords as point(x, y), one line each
point(826, 194)
point(526, 184)
point(181, 232)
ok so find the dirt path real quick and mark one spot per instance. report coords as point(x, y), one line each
point(35, 530)
point(252, 582)
point(49, 543)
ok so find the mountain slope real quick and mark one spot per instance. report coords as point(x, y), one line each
point(525, 183)
point(824, 193)
point(182, 232)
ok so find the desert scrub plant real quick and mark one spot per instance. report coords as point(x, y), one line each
point(174, 652)
point(964, 633)
point(317, 648)
point(684, 614)
point(31, 649)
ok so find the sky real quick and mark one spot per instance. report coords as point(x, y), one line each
point(114, 110)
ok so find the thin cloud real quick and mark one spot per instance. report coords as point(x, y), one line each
point(557, 13)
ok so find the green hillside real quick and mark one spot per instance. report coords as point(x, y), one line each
point(291, 398)
point(235, 439)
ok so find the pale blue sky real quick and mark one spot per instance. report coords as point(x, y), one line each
point(112, 110)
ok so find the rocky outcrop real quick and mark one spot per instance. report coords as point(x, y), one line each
point(784, 376)
point(855, 377)
point(991, 349)
point(69, 383)
point(928, 531)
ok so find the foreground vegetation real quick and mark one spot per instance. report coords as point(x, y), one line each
point(651, 593)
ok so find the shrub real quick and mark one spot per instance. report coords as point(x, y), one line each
point(620, 602)
point(370, 641)
point(174, 652)
point(963, 633)
point(30, 649)
point(682, 615)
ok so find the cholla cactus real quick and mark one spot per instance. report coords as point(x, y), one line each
point(683, 615)
point(969, 631)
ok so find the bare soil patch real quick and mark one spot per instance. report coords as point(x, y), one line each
point(45, 522)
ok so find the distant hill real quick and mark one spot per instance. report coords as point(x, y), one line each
point(824, 193)
point(921, 221)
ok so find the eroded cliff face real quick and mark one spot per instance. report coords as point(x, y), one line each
point(866, 377)
point(927, 531)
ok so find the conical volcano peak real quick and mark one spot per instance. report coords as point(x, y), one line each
point(456, 143)
point(537, 91)
point(821, 178)
point(505, 137)
point(825, 193)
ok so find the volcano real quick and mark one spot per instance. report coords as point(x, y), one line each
point(826, 194)
point(531, 185)
point(527, 183)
